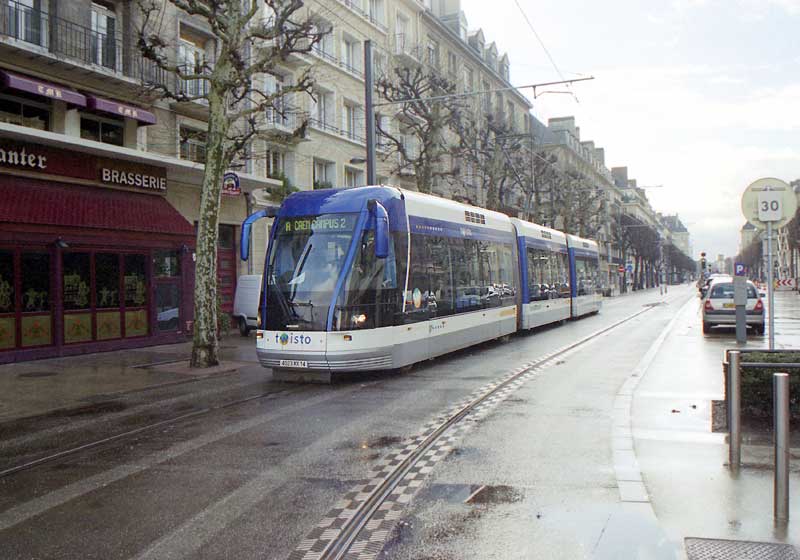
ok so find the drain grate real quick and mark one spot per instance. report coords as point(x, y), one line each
point(718, 549)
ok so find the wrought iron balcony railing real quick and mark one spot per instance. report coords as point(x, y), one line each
point(39, 30)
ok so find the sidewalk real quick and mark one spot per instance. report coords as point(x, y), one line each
point(684, 464)
point(41, 386)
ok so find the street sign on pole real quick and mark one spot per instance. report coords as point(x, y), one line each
point(739, 269)
point(769, 204)
point(769, 200)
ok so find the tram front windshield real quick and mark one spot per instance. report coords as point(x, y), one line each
point(307, 256)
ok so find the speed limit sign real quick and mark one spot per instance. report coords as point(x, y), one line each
point(769, 200)
point(769, 206)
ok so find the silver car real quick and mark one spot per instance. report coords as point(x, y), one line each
point(719, 308)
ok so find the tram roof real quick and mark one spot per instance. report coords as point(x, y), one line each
point(337, 201)
point(579, 243)
point(434, 207)
point(535, 231)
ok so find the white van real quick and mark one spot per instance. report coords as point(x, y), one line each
point(245, 303)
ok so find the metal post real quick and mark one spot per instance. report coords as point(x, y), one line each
point(770, 287)
point(369, 111)
point(781, 403)
point(734, 409)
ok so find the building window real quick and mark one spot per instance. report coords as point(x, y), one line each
point(276, 164)
point(469, 79)
point(353, 177)
point(324, 174)
point(102, 129)
point(352, 119)
point(452, 65)
point(191, 60)
point(433, 53)
point(278, 114)
point(324, 47)
point(322, 109)
point(193, 144)
point(22, 112)
point(376, 14)
point(351, 54)
point(26, 21)
point(103, 40)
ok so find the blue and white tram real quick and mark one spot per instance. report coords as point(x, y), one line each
point(376, 278)
point(544, 274)
point(584, 259)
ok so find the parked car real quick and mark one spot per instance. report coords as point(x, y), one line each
point(703, 284)
point(245, 302)
point(720, 309)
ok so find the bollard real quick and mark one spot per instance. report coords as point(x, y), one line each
point(780, 395)
point(734, 409)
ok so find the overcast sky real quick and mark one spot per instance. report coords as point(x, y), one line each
point(700, 96)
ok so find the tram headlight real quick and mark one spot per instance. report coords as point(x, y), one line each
point(359, 320)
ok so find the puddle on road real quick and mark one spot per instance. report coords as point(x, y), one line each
point(381, 442)
point(491, 495)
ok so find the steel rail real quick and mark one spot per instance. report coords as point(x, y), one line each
point(97, 443)
point(338, 547)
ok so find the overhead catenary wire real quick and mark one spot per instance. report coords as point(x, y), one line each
point(538, 38)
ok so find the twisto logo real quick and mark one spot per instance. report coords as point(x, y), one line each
point(285, 339)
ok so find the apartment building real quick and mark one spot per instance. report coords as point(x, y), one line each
point(99, 185)
point(585, 162)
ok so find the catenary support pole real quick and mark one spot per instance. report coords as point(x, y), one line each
point(734, 409)
point(781, 404)
point(369, 111)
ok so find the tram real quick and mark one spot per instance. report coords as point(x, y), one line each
point(374, 278)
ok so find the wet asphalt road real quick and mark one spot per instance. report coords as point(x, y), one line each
point(534, 478)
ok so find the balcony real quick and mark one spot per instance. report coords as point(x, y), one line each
point(54, 40)
point(196, 87)
point(405, 50)
point(370, 16)
point(325, 126)
point(327, 56)
point(281, 123)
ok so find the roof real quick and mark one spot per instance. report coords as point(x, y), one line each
point(33, 201)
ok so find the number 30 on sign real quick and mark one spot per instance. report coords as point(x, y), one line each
point(769, 206)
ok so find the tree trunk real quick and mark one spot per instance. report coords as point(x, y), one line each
point(205, 348)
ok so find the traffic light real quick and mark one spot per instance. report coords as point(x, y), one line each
point(703, 261)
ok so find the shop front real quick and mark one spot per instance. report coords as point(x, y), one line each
point(92, 255)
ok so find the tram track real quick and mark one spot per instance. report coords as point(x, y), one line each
point(348, 533)
point(28, 465)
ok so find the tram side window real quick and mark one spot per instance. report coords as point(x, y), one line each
point(455, 275)
point(586, 273)
point(562, 278)
point(548, 274)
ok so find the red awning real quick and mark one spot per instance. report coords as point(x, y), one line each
point(120, 109)
point(40, 87)
point(31, 201)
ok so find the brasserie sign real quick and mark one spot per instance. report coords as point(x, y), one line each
point(105, 171)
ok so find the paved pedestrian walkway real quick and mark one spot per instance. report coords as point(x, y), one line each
point(684, 463)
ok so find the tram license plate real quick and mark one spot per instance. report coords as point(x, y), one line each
point(729, 305)
point(294, 363)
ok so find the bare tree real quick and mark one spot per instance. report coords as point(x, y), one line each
point(498, 159)
point(421, 141)
point(250, 43)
